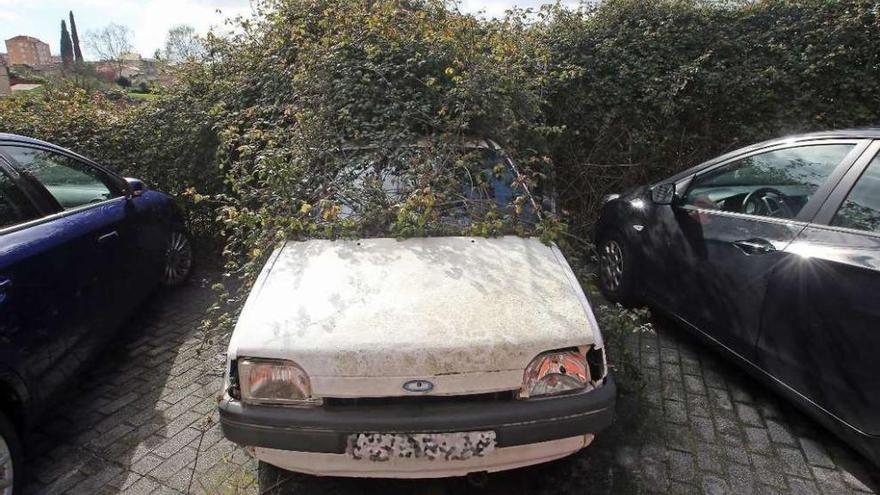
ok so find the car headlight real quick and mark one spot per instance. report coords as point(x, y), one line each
point(274, 381)
point(558, 372)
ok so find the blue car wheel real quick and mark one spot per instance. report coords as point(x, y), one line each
point(178, 258)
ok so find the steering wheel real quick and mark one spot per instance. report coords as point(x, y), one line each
point(768, 202)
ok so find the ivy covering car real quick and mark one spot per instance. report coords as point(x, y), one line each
point(423, 357)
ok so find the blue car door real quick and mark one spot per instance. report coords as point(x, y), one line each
point(27, 347)
point(63, 268)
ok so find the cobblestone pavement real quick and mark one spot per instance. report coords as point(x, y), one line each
point(143, 421)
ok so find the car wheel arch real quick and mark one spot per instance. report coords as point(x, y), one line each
point(14, 400)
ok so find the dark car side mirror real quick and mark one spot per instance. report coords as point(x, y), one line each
point(663, 194)
point(137, 186)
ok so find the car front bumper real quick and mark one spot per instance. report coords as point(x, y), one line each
point(552, 422)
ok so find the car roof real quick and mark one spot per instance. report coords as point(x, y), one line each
point(856, 133)
point(23, 139)
point(15, 138)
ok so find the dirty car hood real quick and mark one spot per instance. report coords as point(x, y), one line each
point(413, 308)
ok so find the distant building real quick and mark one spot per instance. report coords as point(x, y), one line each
point(130, 57)
point(26, 50)
point(4, 59)
point(4, 79)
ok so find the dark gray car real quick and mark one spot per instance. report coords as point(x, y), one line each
point(772, 253)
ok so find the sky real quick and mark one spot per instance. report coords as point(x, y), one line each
point(151, 19)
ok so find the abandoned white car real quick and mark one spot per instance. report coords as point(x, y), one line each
point(416, 358)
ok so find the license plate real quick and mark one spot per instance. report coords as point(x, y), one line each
point(380, 447)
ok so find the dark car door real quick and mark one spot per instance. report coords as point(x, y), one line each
point(64, 269)
point(821, 326)
point(736, 219)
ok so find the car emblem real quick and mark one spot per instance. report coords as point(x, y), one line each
point(418, 386)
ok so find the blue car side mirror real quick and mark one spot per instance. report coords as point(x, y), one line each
point(137, 186)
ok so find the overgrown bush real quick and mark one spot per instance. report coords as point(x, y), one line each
point(170, 144)
point(643, 89)
point(316, 102)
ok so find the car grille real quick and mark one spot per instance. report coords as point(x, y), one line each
point(332, 402)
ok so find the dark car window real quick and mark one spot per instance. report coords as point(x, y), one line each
point(15, 208)
point(775, 184)
point(861, 209)
point(71, 182)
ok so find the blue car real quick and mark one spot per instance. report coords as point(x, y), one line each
point(80, 249)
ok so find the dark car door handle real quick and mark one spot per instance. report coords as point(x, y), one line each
point(109, 236)
point(755, 246)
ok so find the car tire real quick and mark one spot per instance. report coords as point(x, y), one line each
point(616, 270)
point(177, 265)
point(11, 458)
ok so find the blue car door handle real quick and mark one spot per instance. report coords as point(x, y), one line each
point(5, 285)
point(109, 236)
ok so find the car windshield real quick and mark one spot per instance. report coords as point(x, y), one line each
point(478, 178)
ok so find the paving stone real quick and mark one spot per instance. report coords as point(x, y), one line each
point(693, 424)
point(720, 399)
point(679, 488)
point(758, 440)
point(678, 437)
point(710, 458)
point(143, 486)
point(676, 411)
point(737, 455)
point(654, 474)
point(742, 479)
point(749, 415)
point(698, 406)
point(779, 433)
point(854, 482)
point(829, 480)
point(800, 486)
point(739, 393)
point(694, 385)
point(727, 426)
point(673, 391)
point(681, 466)
point(704, 429)
point(768, 470)
point(793, 462)
point(176, 443)
point(816, 454)
point(713, 485)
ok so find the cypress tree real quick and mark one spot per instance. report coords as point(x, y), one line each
point(66, 47)
point(77, 53)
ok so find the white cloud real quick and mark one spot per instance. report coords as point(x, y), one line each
point(8, 16)
point(157, 16)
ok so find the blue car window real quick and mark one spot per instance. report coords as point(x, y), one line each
point(15, 208)
point(861, 209)
point(72, 183)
